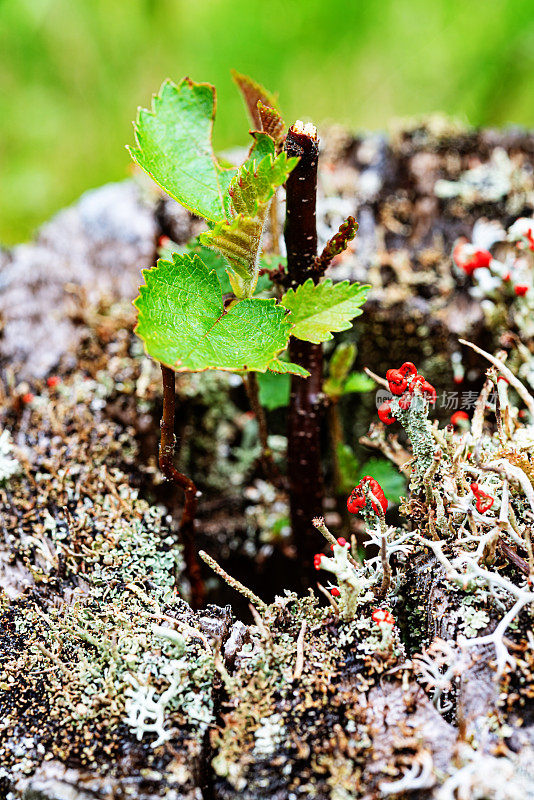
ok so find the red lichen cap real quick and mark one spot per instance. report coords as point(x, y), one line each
point(334, 591)
point(469, 258)
point(317, 560)
point(384, 414)
point(417, 380)
point(428, 391)
point(521, 289)
point(356, 501)
point(458, 417)
point(396, 381)
point(342, 542)
point(383, 616)
point(484, 501)
point(408, 369)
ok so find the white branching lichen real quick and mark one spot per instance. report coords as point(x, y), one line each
point(187, 676)
point(484, 777)
point(9, 465)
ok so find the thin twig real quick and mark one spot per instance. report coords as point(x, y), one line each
point(260, 624)
point(375, 377)
point(329, 598)
point(55, 659)
point(477, 423)
point(508, 374)
point(319, 523)
point(299, 662)
point(166, 465)
point(509, 553)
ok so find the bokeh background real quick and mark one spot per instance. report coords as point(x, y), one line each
point(72, 73)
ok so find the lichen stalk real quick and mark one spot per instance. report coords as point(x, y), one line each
point(233, 582)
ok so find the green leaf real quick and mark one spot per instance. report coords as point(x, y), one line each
point(341, 361)
point(239, 238)
point(215, 261)
point(263, 146)
point(256, 181)
point(319, 309)
point(349, 467)
point(184, 325)
point(338, 368)
point(173, 144)
point(358, 382)
point(274, 390)
point(390, 479)
point(287, 366)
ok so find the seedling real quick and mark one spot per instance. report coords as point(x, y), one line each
point(185, 322)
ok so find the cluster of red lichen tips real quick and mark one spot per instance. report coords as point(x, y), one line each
point(382, 616)
point(402, 382)
point(357, 498)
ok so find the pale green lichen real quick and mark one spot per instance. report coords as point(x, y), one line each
point(472, 619)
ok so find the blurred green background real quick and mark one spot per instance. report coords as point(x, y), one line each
point(72, 73)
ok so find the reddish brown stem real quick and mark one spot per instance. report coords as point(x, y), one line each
point(306, 406)
point(166, 465)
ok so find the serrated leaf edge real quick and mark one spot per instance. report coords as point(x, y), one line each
point(270, 301)
point(133, 149)
point(328, 282)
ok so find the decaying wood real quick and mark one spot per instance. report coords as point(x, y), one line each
point(302, 710)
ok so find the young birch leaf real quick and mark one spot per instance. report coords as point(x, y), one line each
point(252, 94)
point(173, 145)
point(271, 122)
point(341, 361)
point(263, 145)
point(283, 367)
point(239, 239)
point(184, 325)
point(317, 310)
point(336, 245)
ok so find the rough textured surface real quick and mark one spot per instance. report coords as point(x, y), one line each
point(91, 251)
point(353, 720)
